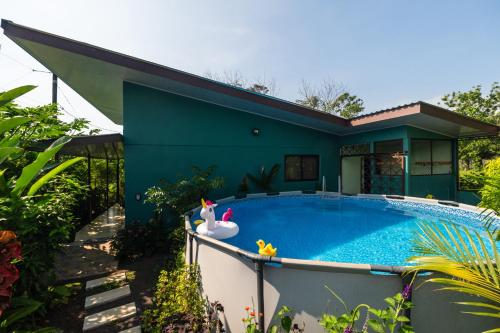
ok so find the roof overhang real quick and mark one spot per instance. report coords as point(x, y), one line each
point(426, 116)
point(102, 146)
point(98, 74)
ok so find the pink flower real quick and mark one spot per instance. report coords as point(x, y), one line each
point(8, 275)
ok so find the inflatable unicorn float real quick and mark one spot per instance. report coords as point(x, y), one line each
point(216, 229)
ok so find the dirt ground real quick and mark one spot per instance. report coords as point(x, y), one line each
point(69, 317)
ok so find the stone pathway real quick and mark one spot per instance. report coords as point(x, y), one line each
point(105, 280)
point(89, 255)
point(106, 297)
point(103, 227)
point(114, 314)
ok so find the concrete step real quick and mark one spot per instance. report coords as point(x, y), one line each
point(136, 329)
point(106, 296)
point(109, 316)
point(105, 280)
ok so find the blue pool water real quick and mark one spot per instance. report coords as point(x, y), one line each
point(340, 229)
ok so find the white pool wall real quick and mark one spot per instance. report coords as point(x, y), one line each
point(229, 276)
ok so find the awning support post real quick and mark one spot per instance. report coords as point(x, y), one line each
point(89, 184)
point(107, 182)
point(259, 269)
point(117, 181)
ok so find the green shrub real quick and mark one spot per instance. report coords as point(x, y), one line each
point(183, 194)
point(471, 180)
point(179, 305)
point(490, 193)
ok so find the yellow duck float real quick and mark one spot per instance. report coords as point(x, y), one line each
point(266, 250)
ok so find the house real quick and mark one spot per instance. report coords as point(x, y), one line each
point(173, 120)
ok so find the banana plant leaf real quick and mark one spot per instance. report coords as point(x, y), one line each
point(31, 171)
point(5, 152)
point(10, 95)
point(51, 174)
point(10, 123)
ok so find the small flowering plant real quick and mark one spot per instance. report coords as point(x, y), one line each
point(250, 321)
point(391, 319)
point(284, 315)
point(10, 252)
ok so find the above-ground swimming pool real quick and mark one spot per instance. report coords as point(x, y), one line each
point(337, 228)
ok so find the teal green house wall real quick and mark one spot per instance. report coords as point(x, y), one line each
point(166, 134)
point(443, 187)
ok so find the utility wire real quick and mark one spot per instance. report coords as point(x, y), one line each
point(74, 110)
point(33, 70)
point(75, 117)
point(18, 78)
point(20, 63)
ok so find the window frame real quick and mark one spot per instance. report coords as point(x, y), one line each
point(302, 168)
point(452, 164)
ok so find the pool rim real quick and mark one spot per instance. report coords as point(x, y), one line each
point(315, 264)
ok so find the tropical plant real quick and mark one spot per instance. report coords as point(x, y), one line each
point(13, 309)
point(179, 304)
point(183, 194)
point(20, 308)
point(264, 179)
point(469, 264)
point(390, 319)
point(490, 192)
point(40, 218)
point(10, 251)
point(45, 125)
point(243, 186)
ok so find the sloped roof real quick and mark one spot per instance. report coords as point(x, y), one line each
point(98, 74)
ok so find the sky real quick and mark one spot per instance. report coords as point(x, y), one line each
point(386, 52)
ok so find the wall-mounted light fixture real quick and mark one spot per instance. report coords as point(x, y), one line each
point(138, 196)
point(255, 131)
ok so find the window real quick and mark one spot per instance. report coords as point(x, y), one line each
point(389, 147)
point(431, 157)
point(301, 167)
point(389, 158)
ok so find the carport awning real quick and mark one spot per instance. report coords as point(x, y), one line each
point(103, 146)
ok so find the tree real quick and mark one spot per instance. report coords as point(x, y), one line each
point(236, 79)
point(331, 98)
point(484, 107)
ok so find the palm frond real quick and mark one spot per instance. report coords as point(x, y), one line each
point(467, 259)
